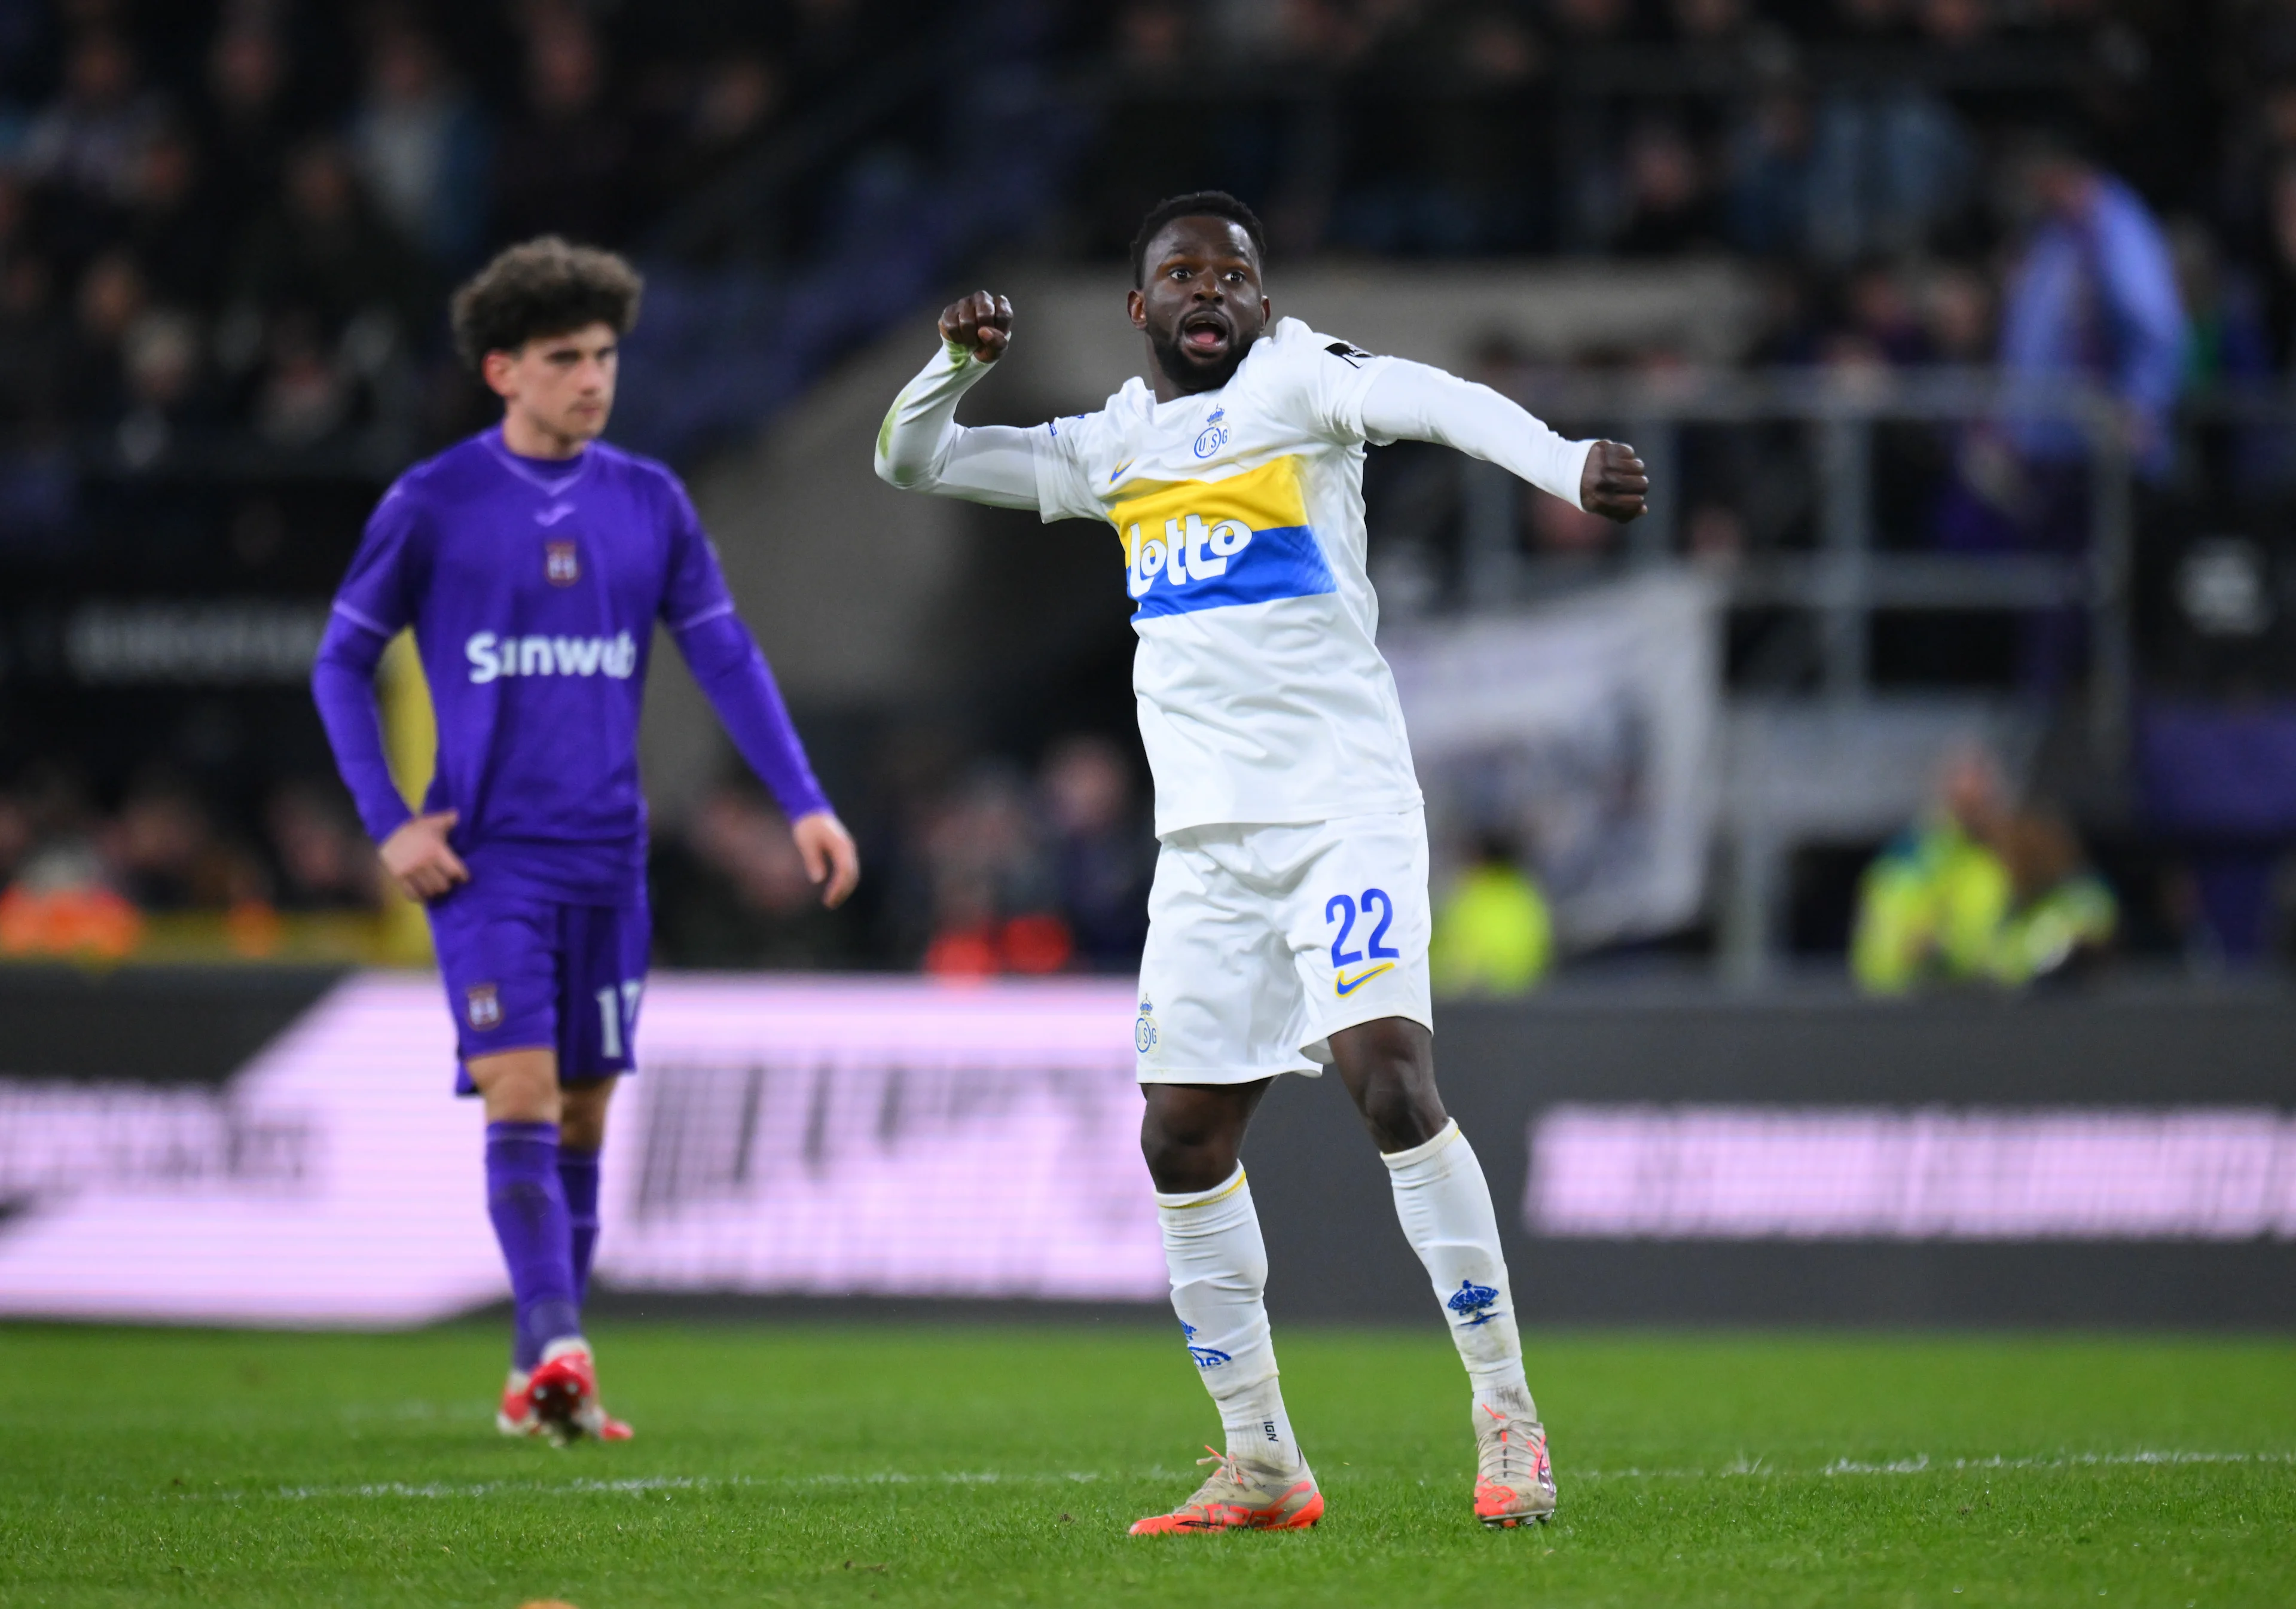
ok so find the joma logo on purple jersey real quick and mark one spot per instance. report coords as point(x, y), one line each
point(493, 656)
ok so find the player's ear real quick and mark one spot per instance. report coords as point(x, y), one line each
point(1136, 305)
point(494, 368)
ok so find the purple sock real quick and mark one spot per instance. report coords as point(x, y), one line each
point(527, 1205)
point(577, 1175)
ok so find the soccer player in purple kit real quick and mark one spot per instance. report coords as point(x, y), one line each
point(532, 562)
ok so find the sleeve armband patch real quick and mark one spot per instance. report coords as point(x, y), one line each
point(1354, 356)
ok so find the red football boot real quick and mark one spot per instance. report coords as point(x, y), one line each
point(564, 1394)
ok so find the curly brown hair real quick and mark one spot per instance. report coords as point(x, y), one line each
point(544, 286)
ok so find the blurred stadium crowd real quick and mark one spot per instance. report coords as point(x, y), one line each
point(226, 231)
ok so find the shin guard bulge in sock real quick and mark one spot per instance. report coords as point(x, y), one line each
point(1444, 1205)
point(1218, 1265)
point(578, 1178)
point(528, 1204)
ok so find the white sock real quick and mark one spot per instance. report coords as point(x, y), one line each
point(1218, 1265)
point(1446, 1208)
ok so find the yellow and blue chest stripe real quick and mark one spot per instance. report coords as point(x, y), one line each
point(1191, 545)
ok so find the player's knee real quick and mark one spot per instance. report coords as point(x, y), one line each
point(519, 1087)
point(1183, 1159)
point(582, 1118)
point(1399, 1104)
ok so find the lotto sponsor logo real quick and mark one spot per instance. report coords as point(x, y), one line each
point(1194, 545)
point(1189, 550)
point(492, 657)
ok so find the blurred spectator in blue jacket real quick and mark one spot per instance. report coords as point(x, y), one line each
point(2094, 297)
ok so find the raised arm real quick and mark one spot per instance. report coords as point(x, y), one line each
point(1411, 401)
point(921, 447)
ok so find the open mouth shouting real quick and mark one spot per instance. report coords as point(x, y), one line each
point(1207, 334)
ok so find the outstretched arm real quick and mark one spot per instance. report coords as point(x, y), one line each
point(921, 447)
point(1411, 401)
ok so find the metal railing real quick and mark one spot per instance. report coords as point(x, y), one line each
point(1845, 577)
point(1847, 752)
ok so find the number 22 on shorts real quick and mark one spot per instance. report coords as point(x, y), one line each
point(1382, 956)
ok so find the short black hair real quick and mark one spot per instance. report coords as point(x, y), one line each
point(1196, 203)
point(544, 286)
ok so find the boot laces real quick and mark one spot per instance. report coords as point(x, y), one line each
point(1226, 1481)
point(1507, 1453)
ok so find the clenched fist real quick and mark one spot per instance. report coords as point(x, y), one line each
point(1613, 483)
point(981, 323)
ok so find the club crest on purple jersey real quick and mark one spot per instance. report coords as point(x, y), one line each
point(484, 1006)
point(560, 563)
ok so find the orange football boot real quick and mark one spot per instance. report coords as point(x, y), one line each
point(1239, 1494)
point(1514, 1482)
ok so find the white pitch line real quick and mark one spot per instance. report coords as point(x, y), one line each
point(638, 1486)
point(1923, 1463)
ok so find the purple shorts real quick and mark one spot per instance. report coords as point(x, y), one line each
point(525, 971)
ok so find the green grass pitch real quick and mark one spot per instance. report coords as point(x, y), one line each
point(999, 1465)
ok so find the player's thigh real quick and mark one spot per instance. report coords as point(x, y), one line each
point(498, 961)
point(603, 951)
point(1219, 1000)
point(1359, 923)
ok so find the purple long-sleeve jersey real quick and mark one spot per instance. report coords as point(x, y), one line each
point(533, 587)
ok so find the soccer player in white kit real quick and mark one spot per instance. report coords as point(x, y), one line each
point(1289, 918)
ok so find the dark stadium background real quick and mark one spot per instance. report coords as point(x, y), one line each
point(1981, 1291)
point(227, 232)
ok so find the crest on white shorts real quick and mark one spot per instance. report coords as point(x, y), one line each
point(1143, 1028)
point(483, 1005)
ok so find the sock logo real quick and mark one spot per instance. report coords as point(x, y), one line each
point(1475, 1300)
point(1268, 1425)
point(1205, 1356)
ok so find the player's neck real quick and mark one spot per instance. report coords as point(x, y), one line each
point(523, 436)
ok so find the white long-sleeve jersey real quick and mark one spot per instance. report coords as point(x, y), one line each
point(1262, 695)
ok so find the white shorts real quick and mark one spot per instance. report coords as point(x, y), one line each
point(1263, 941)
